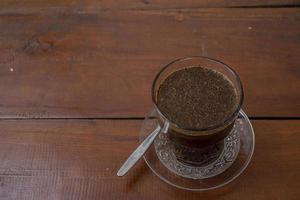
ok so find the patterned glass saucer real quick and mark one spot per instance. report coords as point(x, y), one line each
point(216, 166)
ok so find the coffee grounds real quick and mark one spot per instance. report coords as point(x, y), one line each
point(197, 98)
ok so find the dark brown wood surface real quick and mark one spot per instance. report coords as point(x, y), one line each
point(12, 5)
point(67, 159)
point(83, 61)
point(101, 64)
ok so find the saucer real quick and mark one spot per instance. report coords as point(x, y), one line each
point(217, 165)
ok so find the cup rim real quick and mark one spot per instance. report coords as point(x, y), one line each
point(228, 119)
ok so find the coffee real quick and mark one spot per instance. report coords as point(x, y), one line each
point(197, 98)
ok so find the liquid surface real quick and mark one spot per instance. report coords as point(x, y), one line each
point(197, 98)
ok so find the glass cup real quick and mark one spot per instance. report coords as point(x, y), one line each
point(188, 142)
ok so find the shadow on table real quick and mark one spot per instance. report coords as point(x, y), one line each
point(137, 177)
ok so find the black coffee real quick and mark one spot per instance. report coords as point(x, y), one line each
point(197, 98)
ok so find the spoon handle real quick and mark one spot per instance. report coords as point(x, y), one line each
point(138, 153)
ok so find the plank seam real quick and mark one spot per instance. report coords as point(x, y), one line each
point(87, 10)
point(133, 118)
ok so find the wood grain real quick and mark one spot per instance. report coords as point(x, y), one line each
point(34, 5)
point(78, 159)
point(101, 64)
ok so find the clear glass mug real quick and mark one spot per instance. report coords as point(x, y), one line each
point(186, 140)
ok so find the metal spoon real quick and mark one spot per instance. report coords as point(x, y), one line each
point(142, 148)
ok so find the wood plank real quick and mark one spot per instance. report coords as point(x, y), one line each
point(78, 159)
point(101, 64)
point(36, 5)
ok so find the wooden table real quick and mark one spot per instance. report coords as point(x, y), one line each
point(75, 79)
